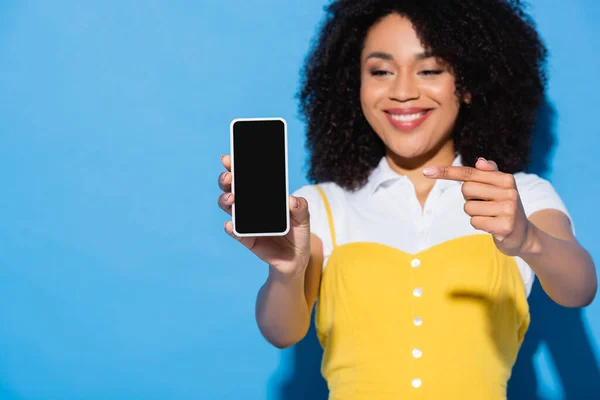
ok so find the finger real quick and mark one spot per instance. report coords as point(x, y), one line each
point(226, 161)
point(497, 226)
point(247, 241)
point(483, 191)
point(225, 202)
point(483, 223)
point(299, 210)
point(456, 173)
point(225, 181)
point(470, 174)
point(487, 208)
point(485, 165)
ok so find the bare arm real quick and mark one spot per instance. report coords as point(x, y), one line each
point(544, 240)
point(565, 269)
point(284, 303)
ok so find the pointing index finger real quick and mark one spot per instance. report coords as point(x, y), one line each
point(461, 174)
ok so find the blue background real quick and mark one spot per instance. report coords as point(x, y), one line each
point(116, 278)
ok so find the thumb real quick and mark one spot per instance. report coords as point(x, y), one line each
point(246, 241)
point(299, 210)
point(486, 165)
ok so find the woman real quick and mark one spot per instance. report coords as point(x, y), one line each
point(424, 235)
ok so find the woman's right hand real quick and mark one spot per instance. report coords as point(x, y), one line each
point(288, 254)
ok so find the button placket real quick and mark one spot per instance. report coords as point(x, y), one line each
point(423, 236)
point(415, 352)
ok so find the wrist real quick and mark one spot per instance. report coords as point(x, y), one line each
point(532, 245)
point(293, 276)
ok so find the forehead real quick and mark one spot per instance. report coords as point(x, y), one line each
point(393, 34)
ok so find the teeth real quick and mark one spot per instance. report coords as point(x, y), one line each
point(407, 117)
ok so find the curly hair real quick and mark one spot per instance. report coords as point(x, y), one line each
point(494, 52)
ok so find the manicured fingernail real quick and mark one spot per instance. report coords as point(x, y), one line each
point(481, 158)
point(429, 171)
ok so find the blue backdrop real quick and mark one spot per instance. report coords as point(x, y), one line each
point(116, 278)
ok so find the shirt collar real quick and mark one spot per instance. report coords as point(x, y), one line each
point(383, 175)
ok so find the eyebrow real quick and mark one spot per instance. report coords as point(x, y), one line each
point(389, 57)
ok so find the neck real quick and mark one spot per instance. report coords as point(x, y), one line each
point(443, 155)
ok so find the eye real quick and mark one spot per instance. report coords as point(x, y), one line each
point(379, 72)
point(431, 72)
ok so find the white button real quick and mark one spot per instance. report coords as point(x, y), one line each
point(418, 321)
point(416, 383)
point(415, 263)
point(417, 353)
point(418, 292)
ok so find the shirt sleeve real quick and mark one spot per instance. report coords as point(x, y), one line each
point(319, 222)
point(536, 194)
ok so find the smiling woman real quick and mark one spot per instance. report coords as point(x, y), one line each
point(424, 234)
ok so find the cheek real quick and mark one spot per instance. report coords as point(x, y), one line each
point(444, 94)
point(365, 95)
point(369, 99)
point(371, 93)
point(366, 101)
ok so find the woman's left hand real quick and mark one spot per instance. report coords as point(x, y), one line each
point(493, 203)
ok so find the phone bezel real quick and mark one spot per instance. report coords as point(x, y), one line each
point(287, 191)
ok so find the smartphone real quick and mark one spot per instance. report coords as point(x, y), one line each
point(259, 170)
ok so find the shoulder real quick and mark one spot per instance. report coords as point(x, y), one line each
point(526, 180)
point(529, 185)
point(321, 195)
point(537, 193)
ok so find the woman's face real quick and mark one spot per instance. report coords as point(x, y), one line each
point(407, 96)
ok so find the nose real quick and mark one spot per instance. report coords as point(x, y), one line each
point(404, 87)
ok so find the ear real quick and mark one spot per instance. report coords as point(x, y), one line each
point(467, 98)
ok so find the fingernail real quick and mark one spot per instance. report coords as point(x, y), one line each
point(222, 177)
point(429, 171)
point(481, 158)
point(228, 197)
point(296, 202)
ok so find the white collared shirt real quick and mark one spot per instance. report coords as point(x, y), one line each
point(386, 210)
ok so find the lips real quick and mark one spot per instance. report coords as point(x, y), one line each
point(407, 119)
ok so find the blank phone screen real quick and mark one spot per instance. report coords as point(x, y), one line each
point(260, 177)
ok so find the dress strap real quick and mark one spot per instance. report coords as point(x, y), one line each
point(329, 214)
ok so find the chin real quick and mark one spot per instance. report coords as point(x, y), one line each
point(406, 149)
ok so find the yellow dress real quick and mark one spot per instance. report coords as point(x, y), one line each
point(444, 323)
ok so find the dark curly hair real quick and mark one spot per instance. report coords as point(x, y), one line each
point(493, 49)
